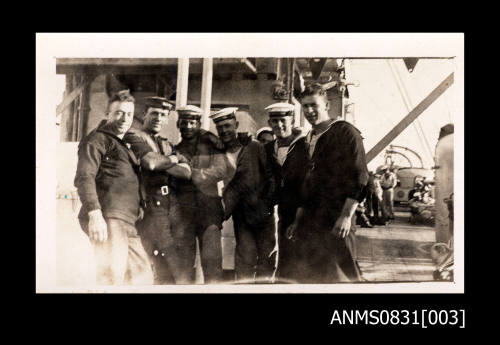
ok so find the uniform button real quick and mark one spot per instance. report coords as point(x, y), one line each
point(158, 203)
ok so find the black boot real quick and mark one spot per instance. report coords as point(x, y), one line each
point(365, 222)
point(382, 221)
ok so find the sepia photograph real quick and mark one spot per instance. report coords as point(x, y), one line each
point(276, 163)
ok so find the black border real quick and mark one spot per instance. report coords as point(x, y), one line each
point(286, 312)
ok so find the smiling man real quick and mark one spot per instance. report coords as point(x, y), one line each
point(108, 185)
point(288, 158)
point(160, 165)
point(198, 212)
point(247, 196)
point(334, 185)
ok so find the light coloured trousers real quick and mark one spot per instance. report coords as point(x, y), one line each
point(122, 260)
point(388, 200)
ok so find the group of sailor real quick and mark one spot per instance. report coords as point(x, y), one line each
point(291, 194)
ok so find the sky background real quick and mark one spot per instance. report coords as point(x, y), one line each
point(379, 105)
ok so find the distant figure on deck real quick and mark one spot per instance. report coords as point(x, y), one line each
point(361, 215)
point(374, 200)
point(388, 181)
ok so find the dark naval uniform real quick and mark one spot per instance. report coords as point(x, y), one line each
point(337, 171)
point(248, 197)
point(107, 179)
point(198, 206)
point(155, 227)
point(289, 177)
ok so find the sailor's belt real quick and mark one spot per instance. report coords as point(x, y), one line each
point(163, 190)
point(158, 197)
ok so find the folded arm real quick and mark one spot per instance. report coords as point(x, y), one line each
point(175, 165)
point(214, 173)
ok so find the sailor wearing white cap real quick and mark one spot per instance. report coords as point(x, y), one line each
point(281, 109)
point(224, 114)
point(247, 198)
point(264, 135)
point(197, 211)
point(190, 111)
point(289, 159)
point(388, 181)
point(281, 120)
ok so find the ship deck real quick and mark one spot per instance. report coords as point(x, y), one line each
point(396, 252)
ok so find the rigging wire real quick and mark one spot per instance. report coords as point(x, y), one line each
point(447, 102)
point(446, 108)
point(409, 107)
point(406, 98)
point(376, 107)
point(418, 122)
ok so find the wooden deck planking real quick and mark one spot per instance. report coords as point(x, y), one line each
point(398, 251)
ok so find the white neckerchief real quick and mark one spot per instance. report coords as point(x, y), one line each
point(232, 158)
point(283, 151)
point(313, 139)
point(281, 154)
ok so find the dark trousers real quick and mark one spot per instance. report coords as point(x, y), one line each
point(322, 258)
point(195, 216)
point(254, 245)
point(372, 205)
point(286, 254)
point(156, 234)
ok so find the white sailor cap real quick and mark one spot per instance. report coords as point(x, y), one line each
point(224, 114)
point(189, 112)
point(263, 130)
point(280, 109)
